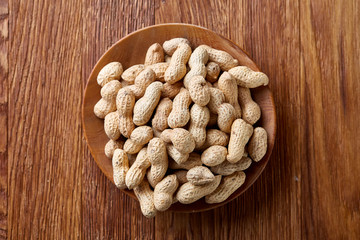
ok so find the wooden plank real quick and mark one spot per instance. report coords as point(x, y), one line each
point(330, 49)
point(45, 147)
point(107, 213)
point(4, 72)
point(273, 200)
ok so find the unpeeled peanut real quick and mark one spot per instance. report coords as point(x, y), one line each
point(214, 155)
point(171, 90)
point(199, 118)
point(199, 90)
point(163, 192)
point(177, 156)
point(111, 71)
point(193, 160)
point(181, 176)
point(215, 137)
point(222, 58)
point(177, 67)
point(171, 45)
point(158, 158)
point(120, 164)
point(240, 135)
point(251, 111)
point(103, 107)
point(111, 146)
point(137, 170)
point(146, 199)
point(212, 72)
point(154, 54)
point(228, 86)
point(138, 138)
point(159, 70)
point(141, 82)
point(180, 138)
point(180, 114)
point(110, 90)
point(159, 121)
point(125, 101)
point(200, 175)
point(132, 72)
point(197, 62)
point(111, 125)
point(245, 77)
point(226, 168)
point(257, 146)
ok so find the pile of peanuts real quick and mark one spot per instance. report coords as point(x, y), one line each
point(181, 124)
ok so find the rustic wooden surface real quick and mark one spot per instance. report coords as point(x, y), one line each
point(50, 187)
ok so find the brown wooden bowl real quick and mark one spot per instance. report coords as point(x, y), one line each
point(131, 50)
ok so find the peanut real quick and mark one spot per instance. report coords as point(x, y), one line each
point(240, 135)
point(222, 58)
point(177, 156)
point(163, 110)
point(111, 146)
point(138, 138)
point(111, 125)
point(159, 70)
point(171, 90)
point(226, 168)
point(111, 71)
point(226, 116)
point(199, 90)
point(158, 158)
point(154, 54)
point(125, 101)
point(137, 170)
point(193, 161)
point(171, 45)
point(215, 137)
point(214, 155)
point(197, 62)
point(120, 165)
point(245, 77)
point(199, 176)
point(199, 118)
point(212, 71)
point(181, 176)
point(180, 114)
point(163, 192)
point(146, 105)
point(217, 98)
point(132, 72)
point(177, 67)
point(103, 107)
point(228, 186)
point(110, 90)
point(251, 112)
point(142, 81)
point(228, 86)
point(167, 58)
point(157, 133)
point(189, 193)
point(180, 138)
point(257, 146)
point(146, 199)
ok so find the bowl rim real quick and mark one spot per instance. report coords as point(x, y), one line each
point(129, 192)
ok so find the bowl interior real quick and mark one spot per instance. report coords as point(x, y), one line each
point(131, 50)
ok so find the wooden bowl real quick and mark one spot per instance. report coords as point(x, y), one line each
point(131, 50)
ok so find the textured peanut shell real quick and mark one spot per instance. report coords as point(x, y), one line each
point(197, 62)
point(171, 90)
point(199, 90)
point(159, 70)
point(251, 111)
point(214, 155)
point(228, 186)
point(111, 146)
point(222, 58)
point(159, 121)
point(193, 160)
point(181, 176)
point(240, 135)
point(177, 156)
point(110, 90)
point(142, 81)
point(245, 77)
point(154, 54)
point(138, 138)
point(158, 158)
point(146, 199)
point(226, 168)
point(137, 170)
point(212, 72)
point(111, 71)
point(199, 118)
point(177, 68)
point(103, 107)
point(125, 101)
point(200, 175)
point(164, 191)
point(189, 193)
point(257, 146)
point(171, 45)
point(132, 72)
point(215, 137)
point(180, 114)
point(120, 165)
point(111, 125)
point(146, 105)
point(217, 98)
point(180, 138)
point(167, 58)
point(228, 86)
point(226, 116)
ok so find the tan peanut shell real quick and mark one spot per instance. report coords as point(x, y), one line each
point(154, 54)
point(251, 111)
point(137, 170)
point(177, 156)
point(180, 138)
point(200, 175)
point(181, 176)
point(226, 168)
point(157, 133)
point(257, 146)
point(189, 193)
point(110, 90)
point(111, 71)
point(199, 118)
point(159, 70)
point(120, 164)
point(111, 146)
point(180, 114)
point(159, 121)
point(212, 72)
point(125, 101)
point(226, 116)
point(171, 45)
point(111, 125)
point(193, 161)
point(132, 72)
point(164, 191)
point(240, 135)
point(245, 77)
point(228, 186)
point(214, 155)
point(146, 105)
point(142, 81)
point(217, 98)
point(215, 137)
point(138, 138)
point(177, 68)
point(199, 90)
point(146, 199)
point(167, 58)
point(103, 107)
point(197, 62)
point(171, 90)
point(157, 155)
point(222, 58)
point(228, 86)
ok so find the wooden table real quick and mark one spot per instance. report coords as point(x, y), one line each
point(50, 187)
